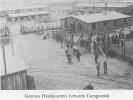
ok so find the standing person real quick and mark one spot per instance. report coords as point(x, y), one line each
point(77, 54)
point(69, 53)
point(98, 68)
point(96, 51)
point(105, 65)
point(104, 61)
point(96, 57)
point(98, 64)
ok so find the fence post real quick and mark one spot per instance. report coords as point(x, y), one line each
point(123, 47)
point(124, 53)
point(0, 83)
point(4, 59)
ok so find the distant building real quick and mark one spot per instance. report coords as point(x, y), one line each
point(4, 29)
point(33, 15)
point(14, 9)
point(100, 6)
point(39, 13)
point(127, 10)
point(96, 23)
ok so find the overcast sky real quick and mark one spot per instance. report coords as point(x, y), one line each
point(34, 1)
point(18, 3)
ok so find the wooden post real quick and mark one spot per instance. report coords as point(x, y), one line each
point(72, 38)
point(108, 44)
point(90, 41)
point(105, 43)
point(124, 47)
point(4, 59)
point(0, 83)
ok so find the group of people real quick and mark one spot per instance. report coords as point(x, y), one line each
point(70, 51)
point(99, 56)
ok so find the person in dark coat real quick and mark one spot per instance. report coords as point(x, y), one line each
point(105, 67)
point(96, 51)
point(98, 68)
point(77, 54)
point(89, 87)
point(68, 52)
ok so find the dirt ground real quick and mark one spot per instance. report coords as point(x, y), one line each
point(47, 63)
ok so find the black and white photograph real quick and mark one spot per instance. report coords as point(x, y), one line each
point(66, 44)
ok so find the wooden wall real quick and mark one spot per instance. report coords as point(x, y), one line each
point(101, 27)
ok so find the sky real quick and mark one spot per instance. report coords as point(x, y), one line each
point(20, 3)
point(49, 1)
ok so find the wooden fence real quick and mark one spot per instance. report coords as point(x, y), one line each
point(15, 81)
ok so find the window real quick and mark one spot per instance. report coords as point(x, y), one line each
point(94, 26)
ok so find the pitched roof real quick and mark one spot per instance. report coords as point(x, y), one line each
point(99, 17)
point(20, 7)
point(27, 13)
point(102, 4)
